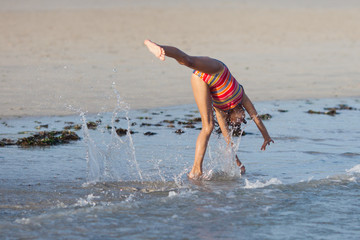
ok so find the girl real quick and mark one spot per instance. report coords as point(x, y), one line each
point(214, 89)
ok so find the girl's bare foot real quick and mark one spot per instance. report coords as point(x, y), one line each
point(158, 51)
point(195, 175)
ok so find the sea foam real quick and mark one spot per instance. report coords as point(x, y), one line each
point(258, 184)
point(355, 169)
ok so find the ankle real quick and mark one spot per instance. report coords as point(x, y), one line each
point(196, 171)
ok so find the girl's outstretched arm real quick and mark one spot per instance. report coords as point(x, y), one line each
point(254, 115)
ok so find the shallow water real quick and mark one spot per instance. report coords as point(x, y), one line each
point(305, 186)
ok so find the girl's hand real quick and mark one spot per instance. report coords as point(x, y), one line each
point(242, 167)
point(266, 142)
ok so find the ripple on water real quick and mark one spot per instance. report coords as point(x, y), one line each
point(303, 185)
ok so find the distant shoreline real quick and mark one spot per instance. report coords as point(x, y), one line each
point(162, 108)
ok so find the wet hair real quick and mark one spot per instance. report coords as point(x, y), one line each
point(235, 128)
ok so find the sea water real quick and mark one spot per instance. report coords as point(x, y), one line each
point(304, 186)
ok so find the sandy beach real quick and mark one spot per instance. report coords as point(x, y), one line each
point(110, 173)
point(73, 53)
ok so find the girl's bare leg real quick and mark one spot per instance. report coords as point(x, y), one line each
point(202, 64)
point(203, 101)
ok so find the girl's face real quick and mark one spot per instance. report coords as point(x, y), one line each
point(236, 116)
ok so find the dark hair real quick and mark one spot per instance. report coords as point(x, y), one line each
point(235, 128)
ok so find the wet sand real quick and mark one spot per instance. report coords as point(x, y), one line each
point(70, 53)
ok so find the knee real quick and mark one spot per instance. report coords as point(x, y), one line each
point(187, 61)
point(207, 128)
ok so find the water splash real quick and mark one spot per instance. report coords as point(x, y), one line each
point(259, 184)
point(89, 201)
point(157, 169)
point(95, 167)
point(113, 158)
point(355, 169)
point(118, 143)
point(222, 162)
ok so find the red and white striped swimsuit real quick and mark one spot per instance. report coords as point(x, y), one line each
point(225, 91)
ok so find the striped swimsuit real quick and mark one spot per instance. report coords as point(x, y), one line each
point(225, 91)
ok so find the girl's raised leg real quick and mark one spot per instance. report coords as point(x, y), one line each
point(202, 64)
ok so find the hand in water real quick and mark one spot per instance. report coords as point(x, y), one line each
point(242, 167)
point(266, 142)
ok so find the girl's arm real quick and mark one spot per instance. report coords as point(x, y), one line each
point(221, 118)
point(254, 115)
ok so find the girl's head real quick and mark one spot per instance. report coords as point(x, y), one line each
point(236, 116)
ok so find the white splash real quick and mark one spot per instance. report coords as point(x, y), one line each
point(24, 221)
point(222, 161)
point(89, 201)
point(172, 194)
point(355, 169)
point(111, 158)
point(258, 184)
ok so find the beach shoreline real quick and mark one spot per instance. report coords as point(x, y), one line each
point(61, 57)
